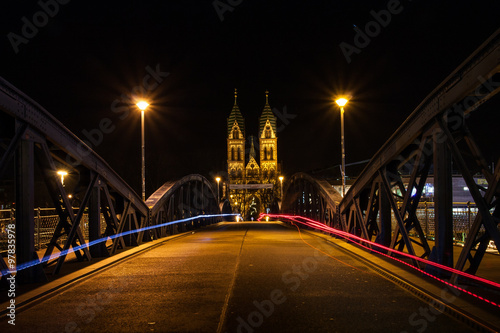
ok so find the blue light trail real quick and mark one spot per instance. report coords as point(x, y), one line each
point(104, 239)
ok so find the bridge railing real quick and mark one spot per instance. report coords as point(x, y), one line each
point(464, 214)
point(45, 222)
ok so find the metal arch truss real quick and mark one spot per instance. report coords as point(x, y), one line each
point(313, 198)
point(40, 142)
point(434, 136)
point(33, 141)
point(189, 196)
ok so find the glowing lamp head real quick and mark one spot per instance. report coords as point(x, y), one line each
point(217, 179)
point(267, 218)
point(341, 101)
point(142, 105)
point(281, 178)
point(63, 174)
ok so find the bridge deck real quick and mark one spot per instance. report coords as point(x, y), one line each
point(241, 277)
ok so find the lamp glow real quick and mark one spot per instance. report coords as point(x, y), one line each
point(62, 173)
point(142, 105)
point(341, 101)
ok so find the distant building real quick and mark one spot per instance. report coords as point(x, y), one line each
point(252, 165)
point(460, 191)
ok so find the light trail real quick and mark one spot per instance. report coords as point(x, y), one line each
point(326, 254)
point(318, 225)
point(104, 239)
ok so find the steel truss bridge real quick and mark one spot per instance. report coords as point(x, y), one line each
point(39, 140)
point(433, 137)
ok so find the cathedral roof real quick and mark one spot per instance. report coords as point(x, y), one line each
point(235, 115)
point(267, 114)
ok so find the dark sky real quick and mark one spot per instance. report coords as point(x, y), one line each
point(89, 54)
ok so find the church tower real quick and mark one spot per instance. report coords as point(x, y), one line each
point(236, 144)
point(253, 184)
point(268, 144)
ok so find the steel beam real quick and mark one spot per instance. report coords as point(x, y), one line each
point(97, 250)
point(24, 215)
point(404, 233)
point(11, 149)
point(483, 203)
point(385, 218)
point(442, 252)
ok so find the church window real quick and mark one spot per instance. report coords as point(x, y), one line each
point(236, 135)
point(265, 153)
point(232, 153)
point(268, 132)
point(239, 154)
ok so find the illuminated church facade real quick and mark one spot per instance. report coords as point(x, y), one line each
point(252, 163)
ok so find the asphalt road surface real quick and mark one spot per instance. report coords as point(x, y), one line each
point(236, 277)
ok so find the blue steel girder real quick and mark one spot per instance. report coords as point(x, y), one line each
point(441, 117)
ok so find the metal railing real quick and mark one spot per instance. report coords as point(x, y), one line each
point(464, 214)
point(46, 220)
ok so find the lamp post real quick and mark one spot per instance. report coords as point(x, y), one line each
point(218, 197)
point(62, 173)
point(342, 102)
point(281, 181)
point(142, 105)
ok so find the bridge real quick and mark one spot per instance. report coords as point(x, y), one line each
point(103, 259)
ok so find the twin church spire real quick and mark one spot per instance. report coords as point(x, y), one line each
point(243, 164)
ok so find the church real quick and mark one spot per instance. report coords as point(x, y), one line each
point(252, 163)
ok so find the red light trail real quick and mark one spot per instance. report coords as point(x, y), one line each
point(318, 225)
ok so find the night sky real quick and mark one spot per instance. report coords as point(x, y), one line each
point(87, 56)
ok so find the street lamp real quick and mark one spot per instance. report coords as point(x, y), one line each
point(342, 102)
point(218, 180)
point(142, 105)
point(281, 181)
point(62, 173)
